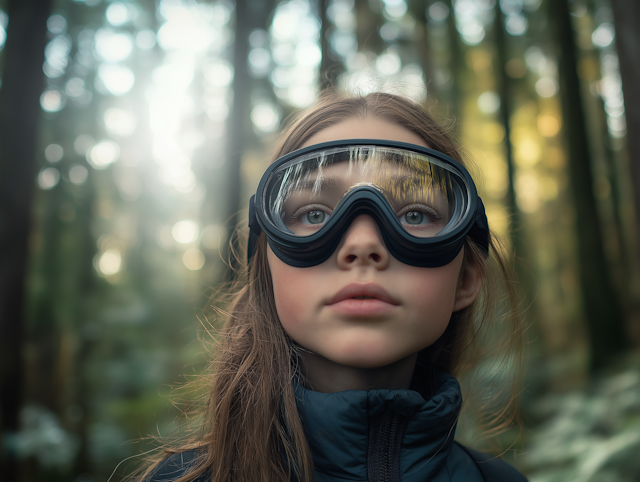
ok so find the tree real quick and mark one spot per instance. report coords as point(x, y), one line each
point(329, 68)
point(627, 17)
point(605, 323)
point(248, 16)
point(19, 116)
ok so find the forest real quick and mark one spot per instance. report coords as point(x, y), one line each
point(133, 133)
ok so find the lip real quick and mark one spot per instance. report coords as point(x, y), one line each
point(353, 290)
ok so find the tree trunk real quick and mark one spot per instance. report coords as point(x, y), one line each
point(250, 14)
point(19, 118)
point(504, 91)
point(329, 68)
point(626, 14)
point(367, 28)
point(456, 65)
point(627, 18)
point(422, 47)
point(602, 311)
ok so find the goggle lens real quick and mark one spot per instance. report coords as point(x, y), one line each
point(426, 195)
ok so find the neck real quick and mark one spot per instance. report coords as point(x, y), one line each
point(323, 375)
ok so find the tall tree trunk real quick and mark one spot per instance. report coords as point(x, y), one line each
point(422, 46)
point(329, 68)
point(85, 289)
point(456, 64)
point(516, 224)
point(19, 118)
point(602, 311)
point(626, 14)
point(250, 14)
point(504, 91)
point(368, 25)
point(627, 18)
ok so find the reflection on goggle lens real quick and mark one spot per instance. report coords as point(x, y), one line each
point(420, 190)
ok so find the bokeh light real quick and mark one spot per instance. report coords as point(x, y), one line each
point(516, 25)
point(193, 259)
point(388, 63)
point(52, 100)
point(548, 125)
point(48, 178)
point(119, 122)
point(438, 11)
point(146, 39)
point(603, 35)
point(265, 117)
point(294, 43)
point(78, 174)
point(395, 8)
point(113, 46)
point(118, 13)
point(547, 87)
point(56, 24)
point(109, 262)
point(185, 232)
point(57, 56)
point(104, 153)
point(74, 87)
point(489, 102)
point(53, 152)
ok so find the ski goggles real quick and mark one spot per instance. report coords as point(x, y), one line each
point(424, 202)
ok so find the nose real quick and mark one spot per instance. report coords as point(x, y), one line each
point(362, 245)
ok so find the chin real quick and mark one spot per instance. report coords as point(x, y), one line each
point(368, 360)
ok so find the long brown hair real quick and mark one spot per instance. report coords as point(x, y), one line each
point(250, 429)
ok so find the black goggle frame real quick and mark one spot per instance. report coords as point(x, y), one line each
point(316, 248)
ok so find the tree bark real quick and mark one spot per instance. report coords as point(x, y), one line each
point(19, 118)
point(626, 14)
point(605, 323)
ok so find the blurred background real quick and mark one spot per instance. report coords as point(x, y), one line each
point(132, 133)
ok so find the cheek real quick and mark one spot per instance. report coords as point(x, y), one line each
point(291, 290)
point(434, 293)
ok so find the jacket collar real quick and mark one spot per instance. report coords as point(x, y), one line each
point(337, 426)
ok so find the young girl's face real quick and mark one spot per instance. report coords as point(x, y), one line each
point(362, 307)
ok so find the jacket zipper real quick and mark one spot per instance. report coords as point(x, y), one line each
point(385, 438)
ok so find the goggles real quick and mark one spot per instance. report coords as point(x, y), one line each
point(424, 202)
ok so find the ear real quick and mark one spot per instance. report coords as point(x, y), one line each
point(469, 284)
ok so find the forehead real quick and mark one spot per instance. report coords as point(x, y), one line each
point(365, 128)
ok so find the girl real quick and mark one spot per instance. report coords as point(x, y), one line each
point(370, 281)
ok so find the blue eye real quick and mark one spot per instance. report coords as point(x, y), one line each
point(315, 217)
point(418, 215)
point(414, 217)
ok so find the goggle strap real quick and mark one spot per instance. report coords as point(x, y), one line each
point(479, 231)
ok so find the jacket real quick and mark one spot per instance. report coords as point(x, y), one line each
point(383, 435)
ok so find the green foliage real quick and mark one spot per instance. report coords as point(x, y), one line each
point(588, 435)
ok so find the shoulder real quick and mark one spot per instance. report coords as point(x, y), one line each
point(491, 469)
point(174, 467)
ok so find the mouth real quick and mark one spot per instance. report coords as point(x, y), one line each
point(369, 291)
